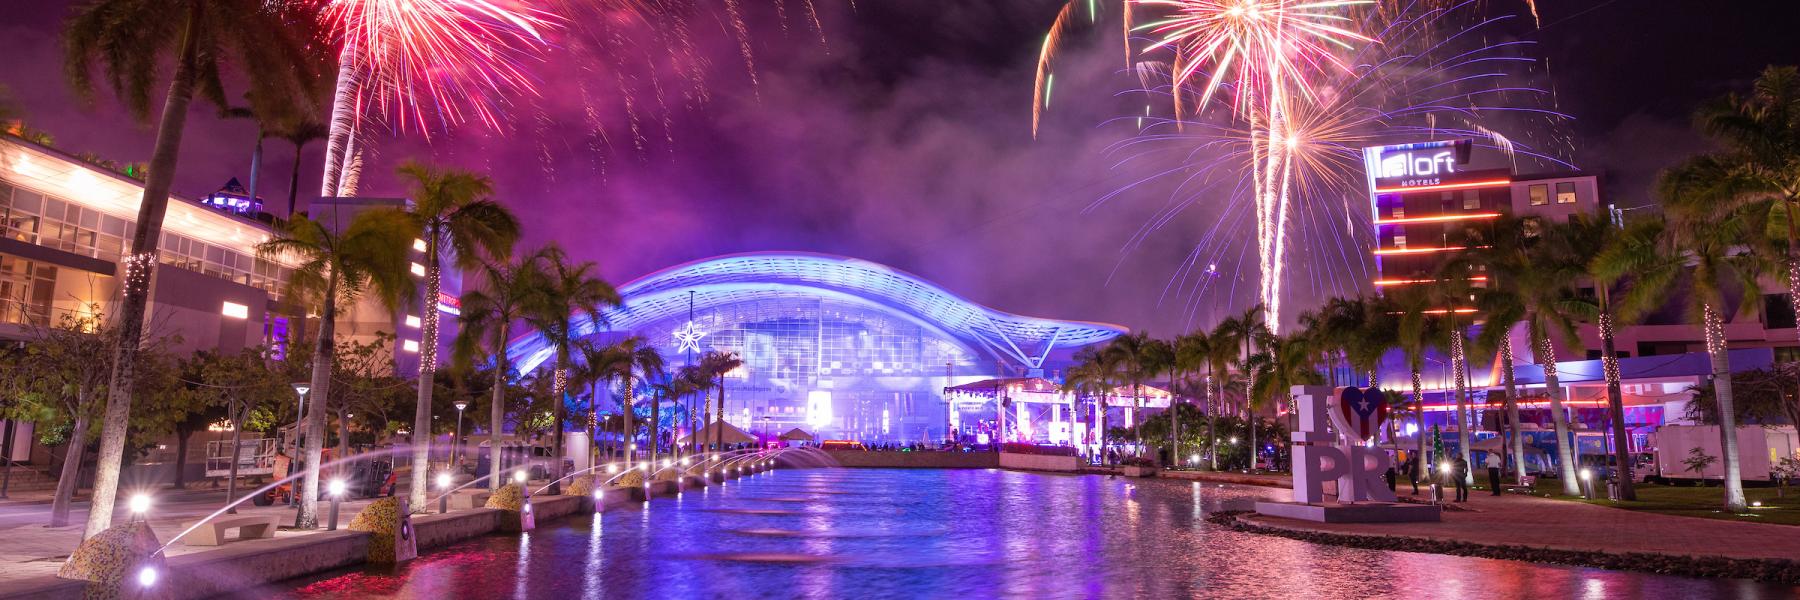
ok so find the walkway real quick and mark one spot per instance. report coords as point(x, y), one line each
point(1518, 520)
point(33, 550)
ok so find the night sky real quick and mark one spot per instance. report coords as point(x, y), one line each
point(904, 138)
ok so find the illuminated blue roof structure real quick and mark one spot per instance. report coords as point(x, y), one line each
point(759, 287)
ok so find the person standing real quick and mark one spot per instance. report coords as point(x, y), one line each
point(1493, 467)
point(1459, 470)
point(1412, 473)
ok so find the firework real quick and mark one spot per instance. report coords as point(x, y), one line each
point(1262, 48)
point(1295, 148)
point(422, 61)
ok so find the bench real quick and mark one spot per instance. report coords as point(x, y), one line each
point(475, 499)
point(1527, 485)
point(250, 527)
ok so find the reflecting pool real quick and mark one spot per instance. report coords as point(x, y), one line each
point(871, 533)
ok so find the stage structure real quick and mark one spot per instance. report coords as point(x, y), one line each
point(1038, 411)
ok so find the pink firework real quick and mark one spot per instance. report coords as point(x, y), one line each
point(448, 59)
point(1262, 48)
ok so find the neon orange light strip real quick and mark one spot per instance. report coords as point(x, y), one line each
point(1387, 251)
point(1407, 281)
point(1447, 186)
point(1436, 218)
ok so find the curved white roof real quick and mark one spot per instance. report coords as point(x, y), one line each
point(735, 278)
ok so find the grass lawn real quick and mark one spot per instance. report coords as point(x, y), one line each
point(1691, 501)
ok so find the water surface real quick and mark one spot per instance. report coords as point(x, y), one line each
point(874, 533)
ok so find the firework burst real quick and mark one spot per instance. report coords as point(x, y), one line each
point(424, 63)
point(1295, 151)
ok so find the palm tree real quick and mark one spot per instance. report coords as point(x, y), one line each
point(1139, 357)
point(1419, 329)
point(272, 45)
point(1093, 377)
point(670, 388)
point(1500, 252)
point(1711, 253)
point(1450, 295)
point(1222, 348)
point(718, 364)
point(1758, 164)
point(1530, 283)
point(1611, 268)
point(505, 292)
point(299, 131)
point(571, 297)
point(1190, 356)
point(454, 217)
point(1247, 329)
point(1283, 363)
point(626, 362)
point(335, 269)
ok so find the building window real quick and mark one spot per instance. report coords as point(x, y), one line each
point(410, 346)
point(1471, 199)
point(1565, 192)
point(1399, 241)
point(1399, 211)
point(1540, 194)
point(235, 310)
point(1778, 312)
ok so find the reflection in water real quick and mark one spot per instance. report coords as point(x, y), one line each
point(936, 534)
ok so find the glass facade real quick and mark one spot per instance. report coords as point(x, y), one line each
point(841, 370)
point(45, 220)
point(27, 289)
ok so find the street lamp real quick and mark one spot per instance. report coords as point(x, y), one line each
point(336, 489)
point(443, 482)
point(139, 504)
point(300, 388)
point(456, 442)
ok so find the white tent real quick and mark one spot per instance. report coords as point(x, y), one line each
point(731, 434)
point(797, 435)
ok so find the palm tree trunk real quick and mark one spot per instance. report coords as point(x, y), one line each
point(1137, 420)
point(237, 433)
point(343, 117)
point(71, 472)
point(655, 431)
point(315, 414)
point(1565, 453)
point(1717, 350)
point(294, 181)
point(498, 409)
point(559, 380)
point(256, 166)
point(1615, 400)
point(719, 435)
point(1174, 422)
point(138, 268)
point(1457, 364)
point(182, 435)
point(1212, 417)
point(630, 425)
point(1418, 402)
point(428, 346)
point(1512, 407)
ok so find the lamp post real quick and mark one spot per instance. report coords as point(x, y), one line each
point(443, 482)
point(336, 489)
point(456, 442)
point(300, 388)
